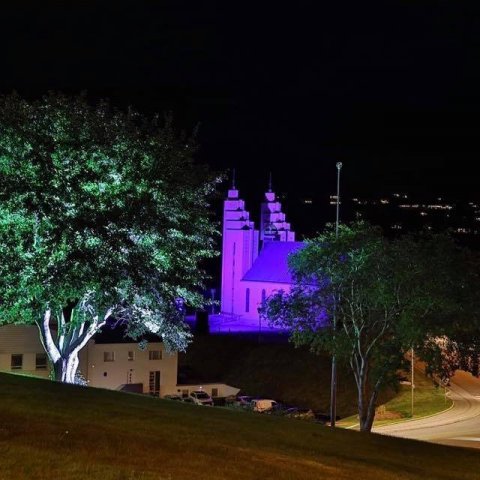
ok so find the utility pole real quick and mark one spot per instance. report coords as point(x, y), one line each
point(333, 380)
point(413, 378)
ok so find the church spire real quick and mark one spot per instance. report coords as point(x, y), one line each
point(233, 179)
point(273, 223)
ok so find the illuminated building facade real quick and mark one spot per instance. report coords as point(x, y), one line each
point(254, 262)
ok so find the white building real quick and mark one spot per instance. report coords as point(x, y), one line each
point(113, 365)
point(108, 361)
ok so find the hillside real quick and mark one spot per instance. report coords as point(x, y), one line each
point(50, 431)
point(272, 368)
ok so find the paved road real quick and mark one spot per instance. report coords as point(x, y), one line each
point(459, 426)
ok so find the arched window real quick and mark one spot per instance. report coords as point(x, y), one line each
point(247, 300)
point(264, 296)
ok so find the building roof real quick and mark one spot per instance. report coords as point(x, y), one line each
point(271, 264)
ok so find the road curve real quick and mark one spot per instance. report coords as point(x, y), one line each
point(459, 426)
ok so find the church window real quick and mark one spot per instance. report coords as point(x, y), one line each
point(264, 296)
point(247, 300)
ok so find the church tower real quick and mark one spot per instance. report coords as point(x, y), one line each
point(273, 224)
point(239, 249)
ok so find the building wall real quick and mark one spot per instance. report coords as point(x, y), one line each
point(256, 295)
point(23, 339)
point(121, 371)
point(239, 248)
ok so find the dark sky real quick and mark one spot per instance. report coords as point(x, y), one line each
point(391, 89)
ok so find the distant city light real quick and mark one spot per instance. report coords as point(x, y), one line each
point(440, 207)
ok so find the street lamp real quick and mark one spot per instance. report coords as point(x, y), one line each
point(412, 374)
point(333, 380)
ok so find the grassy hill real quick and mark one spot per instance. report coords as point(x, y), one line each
point(52, 431)
point(273, 369)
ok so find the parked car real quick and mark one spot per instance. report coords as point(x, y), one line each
point(282, 409)
point(300, 413)
point(200, 397)
point(230, 400)
point(188, 400)
point(243, 401)
point(263, 404)
point(178, 398)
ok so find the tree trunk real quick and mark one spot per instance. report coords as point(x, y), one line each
point(367, 399)
point(362, 406)
point(65, 368)
point(71, 337)
point(370, 414)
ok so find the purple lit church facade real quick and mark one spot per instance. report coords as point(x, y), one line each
point(254, 261)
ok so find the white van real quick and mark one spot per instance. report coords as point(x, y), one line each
point(263, 404)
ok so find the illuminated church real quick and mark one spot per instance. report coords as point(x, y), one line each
point(254, 261)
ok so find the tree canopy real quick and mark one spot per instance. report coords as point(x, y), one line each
point(102, 213)
point(387, 295)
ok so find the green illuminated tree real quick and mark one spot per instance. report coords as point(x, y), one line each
point(103, 215)
point(387, 296)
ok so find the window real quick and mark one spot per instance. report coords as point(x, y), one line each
point(108, 356)
point(131, 356)
point(41, 361)
point(214, 392)
point(155, 355)
point(264, 297)
point(17, 361)
point(184, 393)
point(247, 300)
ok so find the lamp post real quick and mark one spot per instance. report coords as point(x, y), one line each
point(339, 167)
point(333, 380)
point(412, 374)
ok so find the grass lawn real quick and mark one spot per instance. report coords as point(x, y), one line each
point(428, 400)
point(54, 431)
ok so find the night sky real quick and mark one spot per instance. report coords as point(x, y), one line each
point(391, 89)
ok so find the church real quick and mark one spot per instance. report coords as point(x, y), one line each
point(254, 261)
